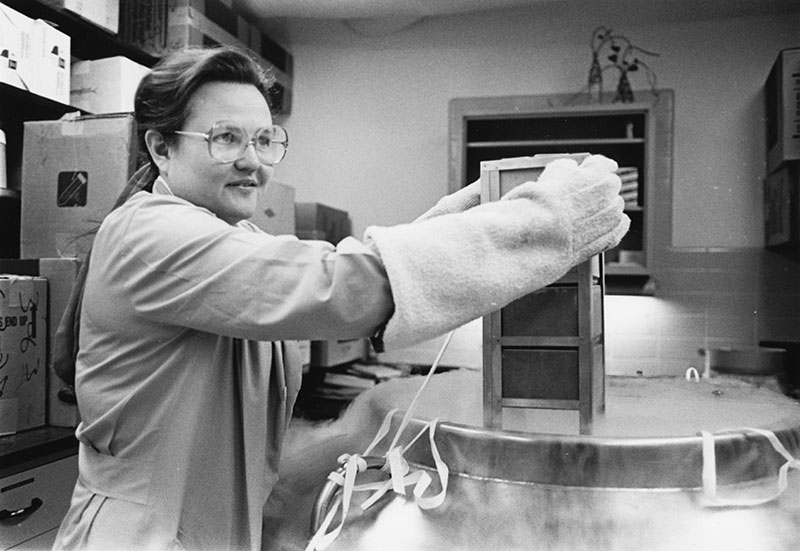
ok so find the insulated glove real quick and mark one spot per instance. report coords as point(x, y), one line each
point(450, 269)
point(588, 195)
point(459, 201)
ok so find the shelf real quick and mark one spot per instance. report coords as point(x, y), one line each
point(29, 106)
point(25, 106)
point(88, 40)
point(556, 143)
point(30, 448)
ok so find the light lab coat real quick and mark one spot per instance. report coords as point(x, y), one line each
point(184, 386)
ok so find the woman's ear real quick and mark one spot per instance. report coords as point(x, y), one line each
point(158, 148)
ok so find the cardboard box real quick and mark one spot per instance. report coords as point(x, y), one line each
point(275, 211)
point(35, 55)
point(104, 13)
point(782, 207)
point(318, 221)
point(782, 109)
point(105, 85)
point(50, 55)
point(16, 34)
point(23, 352)
point(60, 273)
point(221, 13)
point(72, 172)
point(163, 26)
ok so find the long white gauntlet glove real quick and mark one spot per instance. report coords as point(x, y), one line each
point(458, 201)
point(450, 269)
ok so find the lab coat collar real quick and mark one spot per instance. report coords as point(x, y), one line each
point(160, 186)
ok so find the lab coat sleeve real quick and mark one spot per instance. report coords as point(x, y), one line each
point(183, 266)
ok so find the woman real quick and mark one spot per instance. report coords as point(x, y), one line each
point(184, 376)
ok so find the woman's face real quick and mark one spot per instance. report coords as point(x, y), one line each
point(229, 190)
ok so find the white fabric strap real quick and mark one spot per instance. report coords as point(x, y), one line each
point(401, 474)
point(710, 494)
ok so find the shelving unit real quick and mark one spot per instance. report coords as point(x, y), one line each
point(485, 129)
point(47, 454)
point(87, 41)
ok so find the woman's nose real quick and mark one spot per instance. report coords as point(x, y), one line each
point(249, 160)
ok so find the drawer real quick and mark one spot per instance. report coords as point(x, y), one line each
point(41, 497)
point(39, 543)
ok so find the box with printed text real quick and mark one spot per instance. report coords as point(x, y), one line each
point(16, 35)
point(51, 58)
point(60, 273)
point(23, 352)
point(34, 55)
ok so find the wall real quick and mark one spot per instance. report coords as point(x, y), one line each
point(369, 134)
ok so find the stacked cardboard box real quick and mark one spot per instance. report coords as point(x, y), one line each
point(23, 352)
point(318, 221)
point(105, 85)
point(104, 13)
point(163, 26)
point(59, 273)
point(72, 172)
point(160, 27)
point(36, 55)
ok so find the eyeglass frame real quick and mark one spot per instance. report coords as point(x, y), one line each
point(252, 140)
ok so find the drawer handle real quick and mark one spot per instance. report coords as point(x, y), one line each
point(5, 514)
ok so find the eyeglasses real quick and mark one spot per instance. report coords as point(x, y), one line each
point(227, 142)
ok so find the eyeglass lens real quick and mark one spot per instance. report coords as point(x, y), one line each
point(228, 141)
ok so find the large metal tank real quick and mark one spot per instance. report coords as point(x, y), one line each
point(633, 483)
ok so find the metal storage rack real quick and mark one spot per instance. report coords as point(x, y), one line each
point(546, 349)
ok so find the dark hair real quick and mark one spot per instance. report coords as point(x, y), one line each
point(163, 95)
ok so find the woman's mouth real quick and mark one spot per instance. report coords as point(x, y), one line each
point(244, 184)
